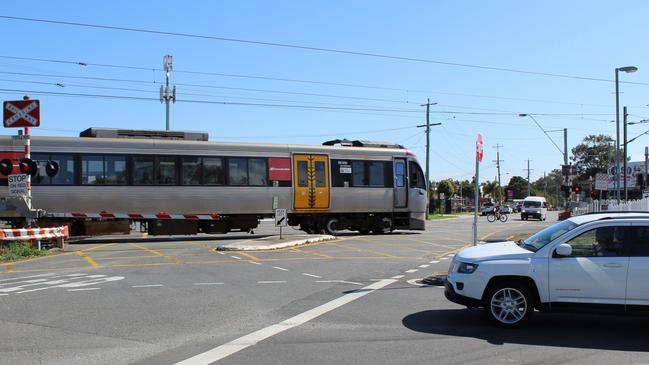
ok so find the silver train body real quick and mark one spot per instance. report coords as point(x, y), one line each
point(218, 187)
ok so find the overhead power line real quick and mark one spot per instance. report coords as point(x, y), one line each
point(342, 84)
point(308, 48)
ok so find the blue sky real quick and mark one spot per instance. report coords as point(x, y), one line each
point(583, 38)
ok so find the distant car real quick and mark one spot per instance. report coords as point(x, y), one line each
point(486, 209)
point(506, 209)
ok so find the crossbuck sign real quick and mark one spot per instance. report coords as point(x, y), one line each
point(21, 113)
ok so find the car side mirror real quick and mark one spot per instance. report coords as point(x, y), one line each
point(563, 250)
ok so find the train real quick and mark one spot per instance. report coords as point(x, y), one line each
point(175, 182)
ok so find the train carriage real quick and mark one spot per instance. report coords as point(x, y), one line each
point(180, 183)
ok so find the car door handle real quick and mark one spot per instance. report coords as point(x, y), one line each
point(613, 266)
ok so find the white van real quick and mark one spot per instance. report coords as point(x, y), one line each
point(535, 207)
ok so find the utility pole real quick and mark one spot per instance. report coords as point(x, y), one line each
point(529, 189)
point(166, 93)
point(498, 161)
point(646, 172)
point(626, 191)
point(427, 126)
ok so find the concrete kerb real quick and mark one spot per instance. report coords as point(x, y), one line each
point(274, 243)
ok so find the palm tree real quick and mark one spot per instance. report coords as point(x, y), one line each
point(492, 189)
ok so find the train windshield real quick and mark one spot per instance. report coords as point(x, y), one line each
point(417, 179)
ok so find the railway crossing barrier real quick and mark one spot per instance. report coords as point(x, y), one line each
point(56, 234)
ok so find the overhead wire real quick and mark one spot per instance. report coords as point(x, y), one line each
point(309, 48)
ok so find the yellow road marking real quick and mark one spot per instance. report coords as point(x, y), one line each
point(362, 250)
point(253, 258)
point(125, 257)
point(52, 269)
point(92, 262)
point(9, 267)
point(171, 258)
point(311, 252)
point(99, 246)
point(138, 265)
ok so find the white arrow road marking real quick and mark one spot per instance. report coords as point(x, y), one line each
point(253, 338)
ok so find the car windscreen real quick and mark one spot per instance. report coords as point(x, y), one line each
point(532, 204)
point(542, 238)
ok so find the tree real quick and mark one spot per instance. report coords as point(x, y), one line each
point(519, 186)
point(492, 189)
point(549, 185)
point(446, 187)
point(468, 189)
point(593, 155)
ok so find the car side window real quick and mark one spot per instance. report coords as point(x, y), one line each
point(599, 242)
point(638, 240)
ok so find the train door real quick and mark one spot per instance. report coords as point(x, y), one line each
point(311, 182)
point(400, 183)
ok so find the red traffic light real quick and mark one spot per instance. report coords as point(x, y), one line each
point(577, 189)
point(27, 166)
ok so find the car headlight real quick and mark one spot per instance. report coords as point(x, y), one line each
point(465, 268)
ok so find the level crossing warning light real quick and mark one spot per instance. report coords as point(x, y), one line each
point(28, 166)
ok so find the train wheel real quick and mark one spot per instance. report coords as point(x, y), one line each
point(383, 226)
point(332, 226)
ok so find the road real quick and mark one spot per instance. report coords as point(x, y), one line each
point(353, 300)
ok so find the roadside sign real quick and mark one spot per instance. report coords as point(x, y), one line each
point(281, 218)
point(601, 181)
point(479, 148)
point(17, 184)
point(21, 113)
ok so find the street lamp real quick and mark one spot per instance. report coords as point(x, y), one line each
point(627, 69)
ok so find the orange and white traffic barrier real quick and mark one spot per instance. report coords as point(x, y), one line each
point(58, 234)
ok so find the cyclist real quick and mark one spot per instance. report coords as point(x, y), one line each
point(497, 211)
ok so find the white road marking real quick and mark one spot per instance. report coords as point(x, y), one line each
point(423, 266)
point(280, 268)
point(444, 258)
point(3, 294)
point(83, 289)
point(376, 279)
point(411, 271)
point(44, 284)
point(220, 253)
point(209, 283)
point(236, 257)
point(147, 286)
point(271, 282)
point(311, 275)
point(397, 277)
point(255, 263)
point(253, 338)
point(434, 262)
point(339, 281)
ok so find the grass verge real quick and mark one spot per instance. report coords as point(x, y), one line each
point(18, 250)
point(442, 216)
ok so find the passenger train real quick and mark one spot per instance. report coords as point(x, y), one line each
point(181, 183)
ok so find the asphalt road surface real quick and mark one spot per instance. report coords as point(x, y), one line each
point(353, 301)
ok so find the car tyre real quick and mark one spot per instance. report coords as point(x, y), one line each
point(509, 304)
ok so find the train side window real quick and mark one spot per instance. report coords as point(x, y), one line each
point(237, 171)
point(341, 173)
point(165, 170)
point(65, 176)
point(400, 174)
point(358, 173)
point(417, 179)
point(377, 173)
point(257, 172)
point(302, 174)
point(320, 176)
point(40, 178)
point(213, 171)
point(191, 170)
point(92, 170)
point(115, 169)
point(143, 170)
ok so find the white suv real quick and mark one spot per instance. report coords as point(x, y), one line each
point(596, 260)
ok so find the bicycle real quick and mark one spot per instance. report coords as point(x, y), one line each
point(491, 217)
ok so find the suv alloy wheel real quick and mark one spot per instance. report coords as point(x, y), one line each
point(509, 304)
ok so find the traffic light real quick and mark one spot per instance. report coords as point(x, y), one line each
point(566, 190)
point(27, 166)
point(6, 166)
point(640, 181)
point(51, 168)
point(577, 189)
